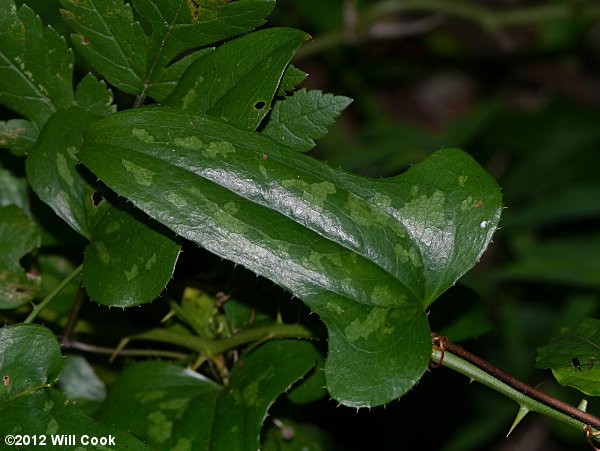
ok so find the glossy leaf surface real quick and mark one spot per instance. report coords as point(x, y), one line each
point(367, 255)
point(128, 261)
point(574, 357)
point(237, 81)
point(19, 235)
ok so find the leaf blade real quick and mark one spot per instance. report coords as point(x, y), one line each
point(378, 252)
point(112, 43)
point(298, 120)
point(35, 65)
point(30, 359)
point(236, 412)
point(237, 81)
point(19, 235)
point(47, 411)
point(574, 357)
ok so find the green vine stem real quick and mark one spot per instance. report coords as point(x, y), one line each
point(489, 19)
point(212, 348)
point(475, 373)
point(151, 353)
point(39, 307)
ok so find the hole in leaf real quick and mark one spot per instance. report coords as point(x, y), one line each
point(97, 198)
point(259, 105)
point(85, 41)
point(6, 380)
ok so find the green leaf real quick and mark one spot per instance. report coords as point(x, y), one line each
point(18, 135)
point(180, 407)
point(368, 255)
point(237, 81)
point(93, 96)
point(574, 357)
point(13, 190)
point(53, 174)
point(183, 24)
point(157, 392)
point(114, 44)
point(304, 116)
point(129, 261)
point(47, 413)
point(19, 235)
point(292, 77)
point(30, 359)
point(231, 418)
point(35, 65)
point(312, 387)
point(79, 383)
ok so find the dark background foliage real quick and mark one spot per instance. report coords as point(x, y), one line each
point(524, 100)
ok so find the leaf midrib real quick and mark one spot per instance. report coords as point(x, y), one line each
point(417, 299)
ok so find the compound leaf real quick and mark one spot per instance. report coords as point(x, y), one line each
point(368, 255)
point(19, 235)
point(237, 81)
point(181, 25)
point(35, 65)
point(110, 39)
point(299, 119)
point(136, 63)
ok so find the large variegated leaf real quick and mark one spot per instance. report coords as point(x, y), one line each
point(368, 255)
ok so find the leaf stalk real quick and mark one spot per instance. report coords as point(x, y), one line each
point(39, 307)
